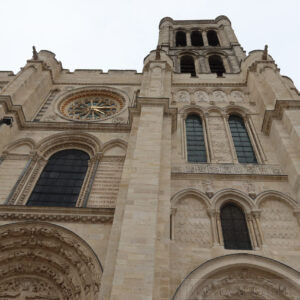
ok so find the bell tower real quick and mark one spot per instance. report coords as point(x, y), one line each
point(201, 46)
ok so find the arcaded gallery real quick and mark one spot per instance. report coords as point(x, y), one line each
point(181, 182)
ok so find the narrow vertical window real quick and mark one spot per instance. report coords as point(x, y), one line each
point(61, 180)
point(195, 143)
point(196, 39)
point(241, 140)
point(180, 39)
point(234, 228)
point(187, 65)
point(212, 38)
point(216, 65)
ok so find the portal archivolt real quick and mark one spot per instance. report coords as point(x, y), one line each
point(45, 261)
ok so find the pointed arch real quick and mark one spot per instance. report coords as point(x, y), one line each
point(114, 143)
point(21, 142)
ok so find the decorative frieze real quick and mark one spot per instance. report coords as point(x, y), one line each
point(191, 96)
point(69, 215)
point(228, 169)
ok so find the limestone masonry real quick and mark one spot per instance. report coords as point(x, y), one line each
point(180, 182)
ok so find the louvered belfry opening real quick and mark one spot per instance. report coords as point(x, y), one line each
point(212, 38)
point(241, 140)
point(196, 39)
point(187, 65)
point(195, 142)
point(61, 180)
point(216, 65)
point(180, 39)
point(234, 228)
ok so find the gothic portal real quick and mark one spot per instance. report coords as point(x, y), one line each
point(180, 182)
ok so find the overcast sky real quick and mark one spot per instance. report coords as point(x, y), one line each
point(118, 34)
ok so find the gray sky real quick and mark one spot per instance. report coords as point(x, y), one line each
point(118, 34)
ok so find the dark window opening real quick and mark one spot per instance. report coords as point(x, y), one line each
point(234, 228)
point(195, 143)
point(180, 39)
point(187, 65)
point(196, 39)
point(212, 38)
point(241, 140)
point(6, 120)
point(216, 65)
point(61, 180)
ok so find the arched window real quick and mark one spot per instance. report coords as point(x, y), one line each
point(61, 180)
point(195, 143)
point(187, 65)
point(216, 65)
point(212, 38)
point(234, 228)
point(180, 39)
point(196, 39)
point(241, 140)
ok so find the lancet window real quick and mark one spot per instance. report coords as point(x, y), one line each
point(195, 141)
point(241, 140)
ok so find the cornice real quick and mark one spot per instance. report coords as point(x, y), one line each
point(56, 214)
point(277, 113)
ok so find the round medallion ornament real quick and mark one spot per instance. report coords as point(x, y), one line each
point(92, 105)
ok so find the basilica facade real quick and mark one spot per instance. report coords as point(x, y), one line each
point(180, 182)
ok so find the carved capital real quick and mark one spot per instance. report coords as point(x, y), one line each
point(212, 212)
point(256, 213)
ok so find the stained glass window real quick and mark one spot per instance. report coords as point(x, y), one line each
point(241, 140)
point(61, 180)
point(195, 143)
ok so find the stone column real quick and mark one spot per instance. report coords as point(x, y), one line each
point(228, 132)
point(212, 216)
point(188, 39)
point(205, 40)
point(135, 260)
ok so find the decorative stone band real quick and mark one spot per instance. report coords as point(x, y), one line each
point(57, 214)
point(228, 169)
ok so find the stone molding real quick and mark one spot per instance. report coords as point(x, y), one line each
point(57, 214)
point(277, 113)
point(227, 169)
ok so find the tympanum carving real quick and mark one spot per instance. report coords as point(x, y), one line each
point(44, 261)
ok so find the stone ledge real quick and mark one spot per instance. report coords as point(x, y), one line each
point(228, 169)
point(56, 214)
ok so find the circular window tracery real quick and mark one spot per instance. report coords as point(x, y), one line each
point(96, 105)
